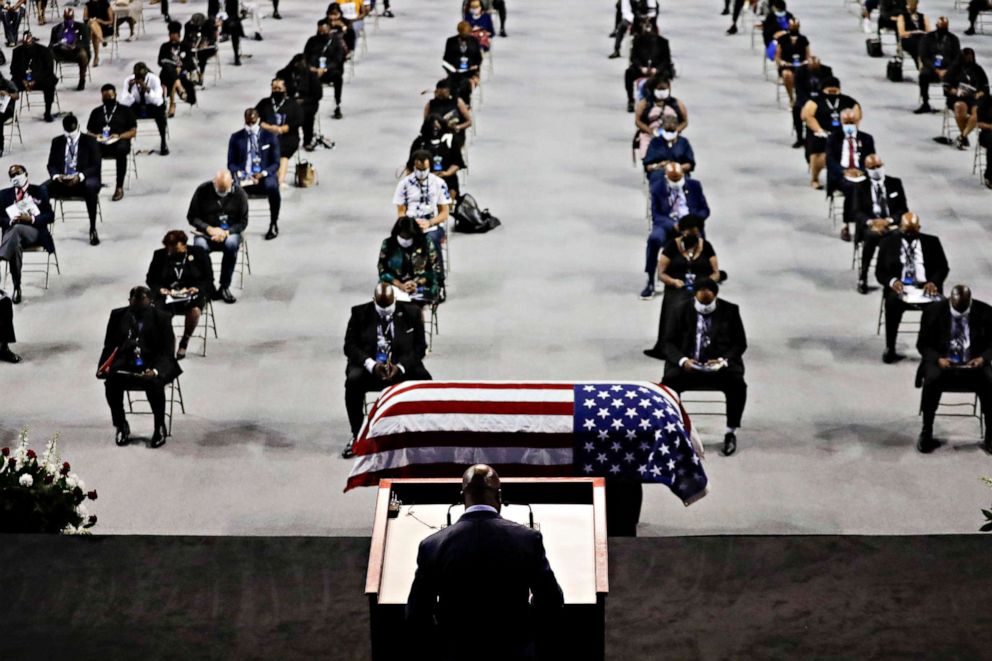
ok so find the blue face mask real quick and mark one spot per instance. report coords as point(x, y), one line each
point(850, 130)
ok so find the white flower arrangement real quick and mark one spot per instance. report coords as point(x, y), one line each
point(39, 495)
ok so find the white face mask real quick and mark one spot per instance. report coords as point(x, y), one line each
point(850, 130)
point(662, 94)
point(677, 185)
point(704, 309)
point(406, 243)
point(477, 12)
point(669, 135)
point(71, 136)
point(385, 312)
point(253, 128)
point(780, 14)
point(421, 174)
point(19, 180)
point(878, 174)
point(222, 193)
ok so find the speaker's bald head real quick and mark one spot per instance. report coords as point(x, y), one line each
point(480, 486)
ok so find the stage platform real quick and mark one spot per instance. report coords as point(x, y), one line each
point(140, 597)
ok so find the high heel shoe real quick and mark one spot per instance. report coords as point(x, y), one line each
point(183, 344)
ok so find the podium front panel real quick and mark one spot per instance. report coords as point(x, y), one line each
point(568, 538)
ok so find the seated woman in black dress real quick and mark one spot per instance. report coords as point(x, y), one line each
point(686, 259)
point(446, 161)
point(180, 278)
point(408, 261)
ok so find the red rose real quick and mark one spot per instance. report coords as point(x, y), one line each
point(78, 493)
point(91, 495)
point(31, 454)
point(92, 519)
point(65, 466)
point(48, 479)
point(64, 471)
point(5, 452)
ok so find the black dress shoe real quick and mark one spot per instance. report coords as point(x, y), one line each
point(227, 296)
point(630, 106)
point(890, 356)
point(729, 444)
point(81, 86)
point(94, 238)
point(337, 113)
point(970, 32)
point(164, 151)
point(654, 352)
point(273, 232)
point(798, 144)
point(348, 451)
point(725, 12)
point(925, 442)
point(8, 356)
point(16, 297)
point(123, 434)
point(923, 109)
point(387, 14)
point(987, 445)
point(276, 15)
point(49, 118)
point(502, 33)
point(614, 55)
point(732, 30)
point(158, 437)
point(862, 286)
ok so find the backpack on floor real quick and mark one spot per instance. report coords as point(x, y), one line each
point(469, 219)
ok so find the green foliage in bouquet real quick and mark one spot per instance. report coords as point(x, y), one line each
point(41, 495)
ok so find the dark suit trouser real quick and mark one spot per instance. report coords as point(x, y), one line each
point(156, 113)
point(730, 383)
point(500, 7)
point(119, 151)
point(12, 245)
point(936, 381)
point(927, 76)
point(661, 231)
point(268, 187)
point(869, 244)
point(11, 24)
point(7, 321)
point(115, 385)
point(985, 140)
point(74, 55)
point(894, 309)
point(48, 92)
point(165, 7)
point(310, 110)
point(358, 382)
point(975, 7)
point(334, 78)
point(89, 190)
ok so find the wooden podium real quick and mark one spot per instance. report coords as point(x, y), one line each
point(569, 512)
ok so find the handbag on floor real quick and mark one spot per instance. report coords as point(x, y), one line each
point(874, 46)
point(306, 174)
point(469, 219)
point(893, 71)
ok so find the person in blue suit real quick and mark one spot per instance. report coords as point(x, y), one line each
point(673, 197)
point(253, 159)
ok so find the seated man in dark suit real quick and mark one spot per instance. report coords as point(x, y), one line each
point(385, 345)
point(181, 278)
point(28, 228)
point(462, 60)
point(138, 354)
point(908, 258)
point(253, 159)
point(7, 336)
point(113, 126)
point(704, 343)
point(74, 169)
point(939, 51)
point(502, 562)
point(70, 42)
point(955, 342)
point(673, 197)
point(219, 213)
point(879, 204)
point(325, 55)
point(846, 153)
point(32, 68)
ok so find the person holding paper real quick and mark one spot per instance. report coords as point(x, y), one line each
point(253, 160)
point(180, 278)
point(462, 60)
point(847, 150)
point(26, 217)
point(955, 343)
point(219, 213)
point(911, 268)
point(138, 355)
point(704, 343)
point(74, 169)
point(113, 126)
point(385, 344)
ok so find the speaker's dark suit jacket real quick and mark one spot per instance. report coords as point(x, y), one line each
point(473, 579)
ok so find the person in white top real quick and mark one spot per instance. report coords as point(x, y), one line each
point(143, 93)
point(425, 197)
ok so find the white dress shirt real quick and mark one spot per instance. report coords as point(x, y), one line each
point(130, 94)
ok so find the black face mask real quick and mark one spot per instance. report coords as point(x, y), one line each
point(138, 308)
point(690, 240)
point(109, 103)
point(278, 96)
point(911, 235)
point(942, 31)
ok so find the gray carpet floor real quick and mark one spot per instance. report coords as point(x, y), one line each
point(827, 443)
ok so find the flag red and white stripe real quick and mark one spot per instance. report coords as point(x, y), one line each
point(437, 429)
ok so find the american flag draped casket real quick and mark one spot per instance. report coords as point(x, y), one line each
point(634, 430)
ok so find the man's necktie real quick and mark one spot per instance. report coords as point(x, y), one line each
point(19, 194)
point(851, 163)
point(883, 206)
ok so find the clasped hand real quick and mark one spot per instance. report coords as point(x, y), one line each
point(385, 371)
point(944, 363)
point(217, 234)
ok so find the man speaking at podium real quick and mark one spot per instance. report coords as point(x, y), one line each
point(469, 598)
